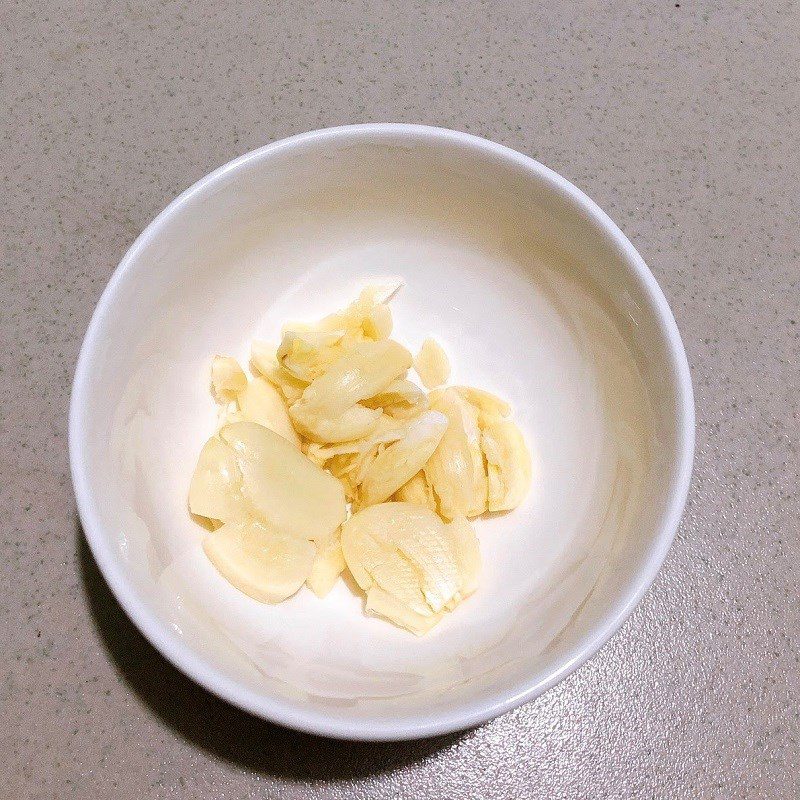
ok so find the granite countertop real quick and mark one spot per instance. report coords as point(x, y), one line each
point(682, 120)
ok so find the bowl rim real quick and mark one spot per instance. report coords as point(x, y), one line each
point(295, 713)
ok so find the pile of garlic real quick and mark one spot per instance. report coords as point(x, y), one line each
point(331, 459)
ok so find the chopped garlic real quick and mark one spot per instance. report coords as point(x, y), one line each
point(331, 418)
point(264, 362)
point(307, 354)
point(383, 604)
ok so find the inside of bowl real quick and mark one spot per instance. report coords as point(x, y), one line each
point(531, 299)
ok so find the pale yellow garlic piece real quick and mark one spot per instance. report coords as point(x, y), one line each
point(327, 566)
point(400, 461)
point(358, 315)
point(382, 604)
point(362, 373)
point(386, 431)
point(227, 378)
point(286, 490)
point(401, 398)
point(229, 413)
point(354, 423)
point(307, 354)
point(489, 406)
point(261, 402)
point(508, 463)
point(404, 550)
point(328, 410)
point(264, 362)
point(431, 364)
point(378, 322)
point(417, 491)
point(265, 564)
point(455, 471)
point(215, 491)
point(467, 552)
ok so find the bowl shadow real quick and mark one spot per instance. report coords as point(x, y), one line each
point(221, 729)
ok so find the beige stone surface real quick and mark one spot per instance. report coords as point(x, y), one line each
point(681, 120)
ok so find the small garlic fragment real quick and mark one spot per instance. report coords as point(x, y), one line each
point(227, 378)
point(432, 364)
point(378, 322)
point(467, 552)
point(327, 567)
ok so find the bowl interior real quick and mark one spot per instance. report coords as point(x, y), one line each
point(531, 296)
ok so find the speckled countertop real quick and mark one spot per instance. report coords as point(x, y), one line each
point(681, 119)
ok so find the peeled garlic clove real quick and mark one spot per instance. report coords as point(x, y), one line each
point(372, 561)
point(327, 566)
point(508, 464)
point(455, 471)
point(467, 552)
point(417, 491)
point(227, 378)
point(489, 406)
point(264, 564)
point(215, 491)
point(359, 374)
point(399, 392)
point(383, 604)
point(287, 491)
point(431, 364)
point(328, 410)
point(354, 423)
point(386, 431)
point(264, 362)
point(261, 402)
point(307, 354)
point(400, 461)
point(404, 550)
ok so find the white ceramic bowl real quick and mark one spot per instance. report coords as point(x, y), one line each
point(534, 292)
